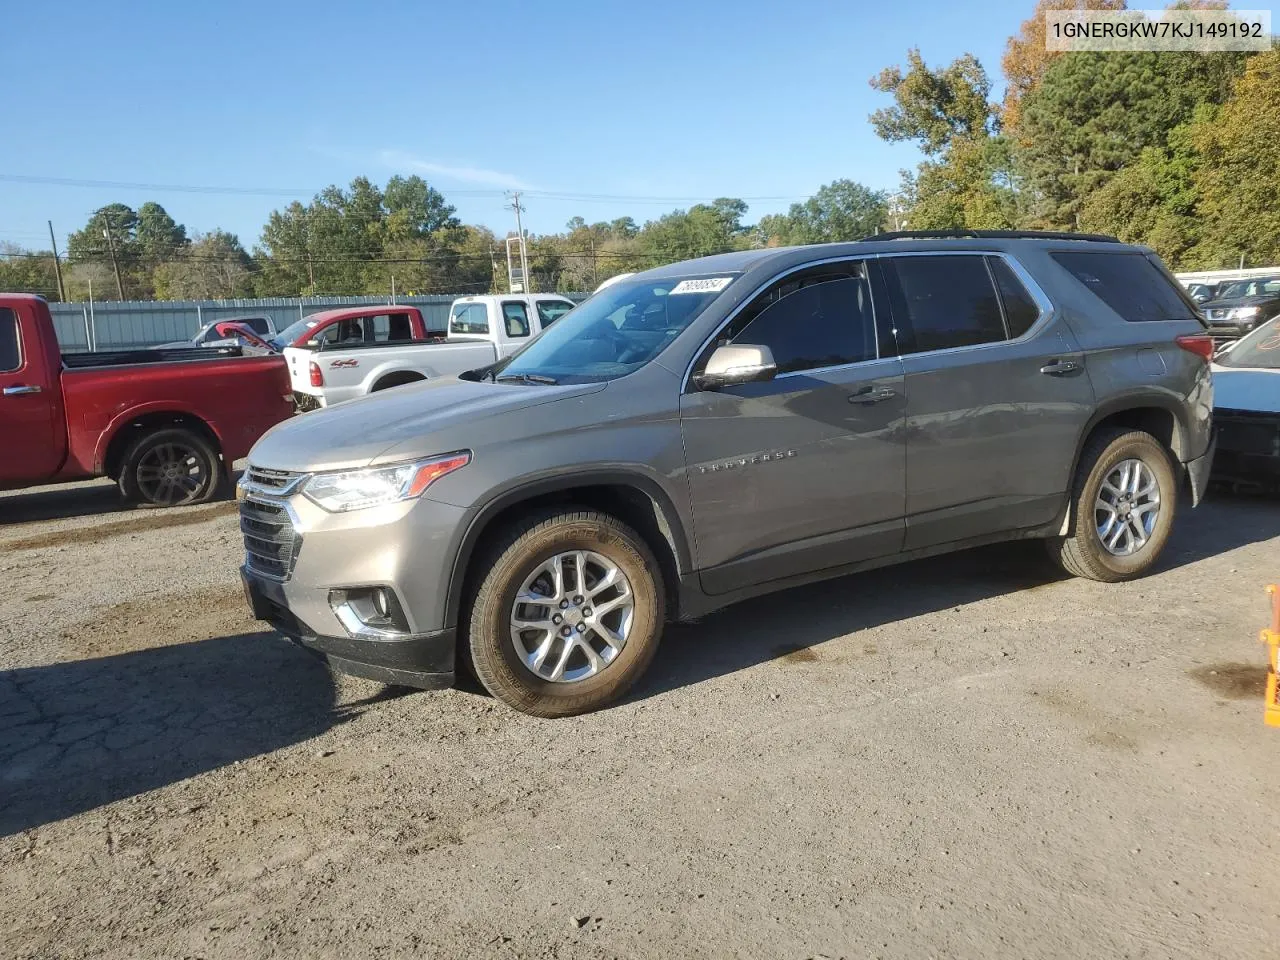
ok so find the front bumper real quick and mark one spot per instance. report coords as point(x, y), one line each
point(1249, 447)
point(422, 660)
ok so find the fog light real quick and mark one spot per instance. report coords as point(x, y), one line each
point(370, 612)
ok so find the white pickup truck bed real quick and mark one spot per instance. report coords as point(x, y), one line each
point(482, 329)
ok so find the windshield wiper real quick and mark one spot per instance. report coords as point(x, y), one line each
point(526, 378)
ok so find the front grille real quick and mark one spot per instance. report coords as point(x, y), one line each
point(270, 541)
point(271, 481)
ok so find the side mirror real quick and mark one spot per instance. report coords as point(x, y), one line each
point(738, 363)
point(315, 344)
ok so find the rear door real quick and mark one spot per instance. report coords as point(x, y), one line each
point(806, 471)
point(997, 395)
point(31, 434)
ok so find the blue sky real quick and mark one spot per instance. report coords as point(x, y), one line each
point(582, 99)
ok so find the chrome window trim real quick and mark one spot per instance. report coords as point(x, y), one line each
point(1028, 282)
point(747, 301)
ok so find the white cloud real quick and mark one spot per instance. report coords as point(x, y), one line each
point(463, 174)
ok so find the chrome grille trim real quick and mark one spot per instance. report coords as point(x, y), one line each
point(271, 539)
point(273, 483)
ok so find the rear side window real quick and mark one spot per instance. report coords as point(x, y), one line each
point(10, 355)
point(1020, 311)
point(259, 325)
point(549, 311)
point(516, 319)
point(943, 302)
point(470, 318)
point(1129, 284)
point(391, 328)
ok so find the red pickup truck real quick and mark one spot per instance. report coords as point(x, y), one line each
point(164, 424)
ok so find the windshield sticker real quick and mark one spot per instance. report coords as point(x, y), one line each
point(713, 285)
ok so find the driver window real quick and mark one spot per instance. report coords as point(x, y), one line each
point(815, 318)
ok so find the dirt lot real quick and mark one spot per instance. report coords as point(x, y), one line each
point(963, 757)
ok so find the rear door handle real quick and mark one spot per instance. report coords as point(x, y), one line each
point(19, 391)
point(869, 395)
point(1056, 368)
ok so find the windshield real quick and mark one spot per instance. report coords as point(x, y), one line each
point(293, 332)
point(615, 332)
point(1249, 288)
point(1259, 349)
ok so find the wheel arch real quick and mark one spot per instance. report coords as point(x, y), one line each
point(633, 498)
point(396, 378)
point(125, 430)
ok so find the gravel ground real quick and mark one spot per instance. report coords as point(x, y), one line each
point(961, 757)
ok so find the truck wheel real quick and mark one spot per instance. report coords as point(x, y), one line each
point(1122, 510)
point(568, 615)
point(169, 468)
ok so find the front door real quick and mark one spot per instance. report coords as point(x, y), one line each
point(31, 445)
point(998, 396)
point(806, 471)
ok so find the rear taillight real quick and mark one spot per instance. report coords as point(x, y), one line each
point(317, 378)
point(1197, 343)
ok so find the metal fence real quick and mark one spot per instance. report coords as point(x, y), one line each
point(127, 325)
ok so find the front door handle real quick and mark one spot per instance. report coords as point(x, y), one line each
point(1056, 368)
point(869, 395)
point(21, 390)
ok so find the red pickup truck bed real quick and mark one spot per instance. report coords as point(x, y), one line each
point(166, 425)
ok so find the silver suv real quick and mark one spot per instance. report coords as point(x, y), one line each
point(720, 428)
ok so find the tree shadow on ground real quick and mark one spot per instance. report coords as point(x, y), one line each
point(75, 736)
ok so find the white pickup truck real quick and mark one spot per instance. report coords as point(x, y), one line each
point(339, 355)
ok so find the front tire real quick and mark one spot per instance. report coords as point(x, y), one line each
point(568, 615)
point(1123, 506)
point(169, 468)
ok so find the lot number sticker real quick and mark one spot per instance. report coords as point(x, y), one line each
point(714, 285)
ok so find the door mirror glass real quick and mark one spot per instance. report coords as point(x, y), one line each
point(737, 363)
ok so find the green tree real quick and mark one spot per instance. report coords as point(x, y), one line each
point(1093, 113)
point(27, 271)
point(157, 236)
point(701, 230)
point(968, 179)
point(934, 107)
point(212, 266)
point(840, 210)
point(1239, 177)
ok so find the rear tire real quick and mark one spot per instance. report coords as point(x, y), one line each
point(540, 669)
point(1134, 472)
point(170, 467)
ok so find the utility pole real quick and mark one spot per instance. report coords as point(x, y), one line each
point(57, 267)
point(115, 264)
point(525, 285)
point(594, 279)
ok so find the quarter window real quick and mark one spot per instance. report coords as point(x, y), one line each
point(1020, 311)
point(941, 302)
point(391, 328)
point(820, 317)
point(516, 319)
point(1129, 284)
point(10, 354)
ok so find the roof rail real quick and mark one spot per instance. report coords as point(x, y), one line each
point(991, 235)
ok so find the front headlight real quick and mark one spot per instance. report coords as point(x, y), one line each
point(375, 486)
point(1242, 313)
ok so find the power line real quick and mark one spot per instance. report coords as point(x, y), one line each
point(298, 192)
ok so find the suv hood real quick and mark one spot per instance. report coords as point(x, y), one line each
point(354, 434)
